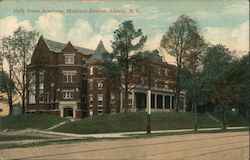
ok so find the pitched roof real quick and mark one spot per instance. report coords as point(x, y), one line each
point(98, 53)
point(58, 47)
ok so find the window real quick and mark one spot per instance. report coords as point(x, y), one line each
point(69, 77)
point(100, 84)
point(91, 70)
point(158, 70)
point(130, 68)
point(130, 99)
point(46, 97)
point(68, 94)
point(143, 69)
point(166, 72)
point(90, 100)
point(100, 99)
point(32, 98)
point(41, 97)
point(112, 98)
point(84, 76)
point(69, 59)
point(99, 70)
point(91, 85)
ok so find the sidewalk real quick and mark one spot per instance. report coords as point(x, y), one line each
point(71, 136)
point(129, 134)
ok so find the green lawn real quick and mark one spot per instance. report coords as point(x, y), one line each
point(234, 119)
point(19, 137)
point(34, 121)
point(126, 122)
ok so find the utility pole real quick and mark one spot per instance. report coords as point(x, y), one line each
point(149, 102)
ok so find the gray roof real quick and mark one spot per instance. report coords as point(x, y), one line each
point(58, 47)
point(98, 53)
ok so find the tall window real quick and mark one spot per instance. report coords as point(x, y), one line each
point(41, 86)
point(100, 85)
point(68, 94)
point(69, 59)
point(91, 70)
point(130, 68)
point(32, 88)
point(91, 100)
point(130, 99)
point(112, 98)
point(69, 77)
point(159, 70)
point(91, 85)
point(166, 72)
point(100, 99)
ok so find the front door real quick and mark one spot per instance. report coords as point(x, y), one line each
point(68, 112)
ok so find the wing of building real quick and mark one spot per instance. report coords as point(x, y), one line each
point(68, 80)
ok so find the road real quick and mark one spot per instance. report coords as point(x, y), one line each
point(213, 146)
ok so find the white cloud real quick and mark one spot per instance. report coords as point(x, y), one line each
point(241, 36)
point(236, 9)
point(10, 24)
point(236, 38)
point(109, 26)
point(153, 43)
point(80, 32)
point(51, 25)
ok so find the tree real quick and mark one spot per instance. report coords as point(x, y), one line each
point(124, 46)
point(219, 91)
point(7, 79)
point(17, 50)
point(7, 89)
point(184, 42)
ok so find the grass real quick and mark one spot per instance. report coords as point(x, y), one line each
point(34, 121)
point(128, 122)
point(234, 119)
point(19, 137)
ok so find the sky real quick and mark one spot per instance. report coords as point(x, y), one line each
point(220, 21)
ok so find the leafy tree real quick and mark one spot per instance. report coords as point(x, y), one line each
point(7, 89)
point(17, 50)
point(219, 91)
point(184, 42)
point(124, 45)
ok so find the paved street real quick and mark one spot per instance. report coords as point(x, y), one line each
point(216, 146)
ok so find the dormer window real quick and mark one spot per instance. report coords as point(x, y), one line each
point(69, 58)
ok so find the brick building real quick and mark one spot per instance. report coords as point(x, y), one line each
point(68, 80)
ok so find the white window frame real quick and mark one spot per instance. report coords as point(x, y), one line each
point(91, 99)
point(100, 99)
point(70, 76)
point(91, 85)
point(69, 58)
point(112, 98)
point(91, 71)
point(68, 94)
point(100, 84)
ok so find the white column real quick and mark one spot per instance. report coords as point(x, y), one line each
point(133, 101)
point(184, 104)
point(155, 101)
point(149, 101)
point(74, 112)
point(61, 111)
point(170, 99)
point(163, 102)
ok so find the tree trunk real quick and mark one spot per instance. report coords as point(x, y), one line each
point(10, 102)
point(224, 118)
point(194, 105)
point(177, 91)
